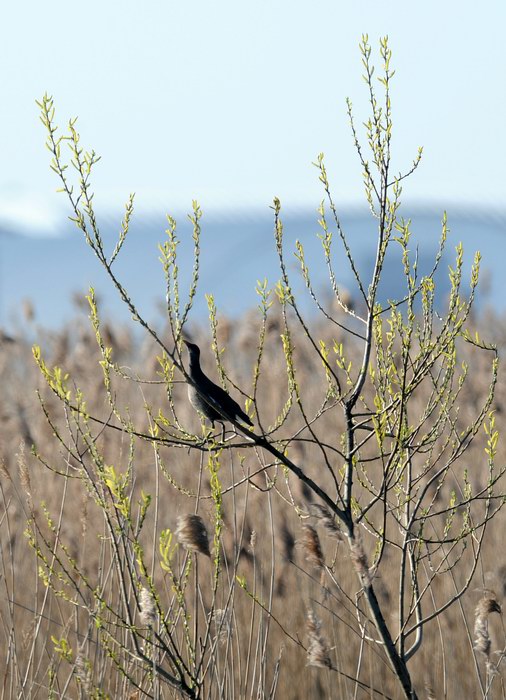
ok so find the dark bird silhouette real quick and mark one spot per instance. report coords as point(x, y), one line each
point(208, 398)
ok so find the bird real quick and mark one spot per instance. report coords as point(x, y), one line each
point(208, 398)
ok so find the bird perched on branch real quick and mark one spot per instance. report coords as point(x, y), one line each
point(208, 398)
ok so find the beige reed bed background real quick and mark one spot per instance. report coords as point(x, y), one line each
point(278, 555)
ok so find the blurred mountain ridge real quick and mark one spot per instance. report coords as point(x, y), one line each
point(237, 249)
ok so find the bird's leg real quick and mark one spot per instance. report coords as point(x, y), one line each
point(233, 433)
point(207, 431)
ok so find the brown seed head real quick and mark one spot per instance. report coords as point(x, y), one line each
point(191, 533)
point(4, 471)
point(222, 624)
point(324, 517)
point(488, 604)
point(310, 543)
point(359, 559)
point(482, 637)
point(82, 670)
point(430, 691)
point(24, 476)
point(147, 606)
point(318, 653)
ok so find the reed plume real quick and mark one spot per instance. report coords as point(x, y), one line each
point(323, 516)
point(488, 604)
point(191, 533)
point(359, 559)
point(147, 607)
point(318, 652)
point(310, 543)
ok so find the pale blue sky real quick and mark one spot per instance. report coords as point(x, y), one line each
point(229, 102)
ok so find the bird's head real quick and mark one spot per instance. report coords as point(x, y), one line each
point(193, 350)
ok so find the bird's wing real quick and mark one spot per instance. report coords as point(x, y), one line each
point(222, 399)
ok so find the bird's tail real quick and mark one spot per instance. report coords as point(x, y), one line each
point(245, 418)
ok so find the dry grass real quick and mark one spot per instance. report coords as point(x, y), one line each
point(293, 560)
